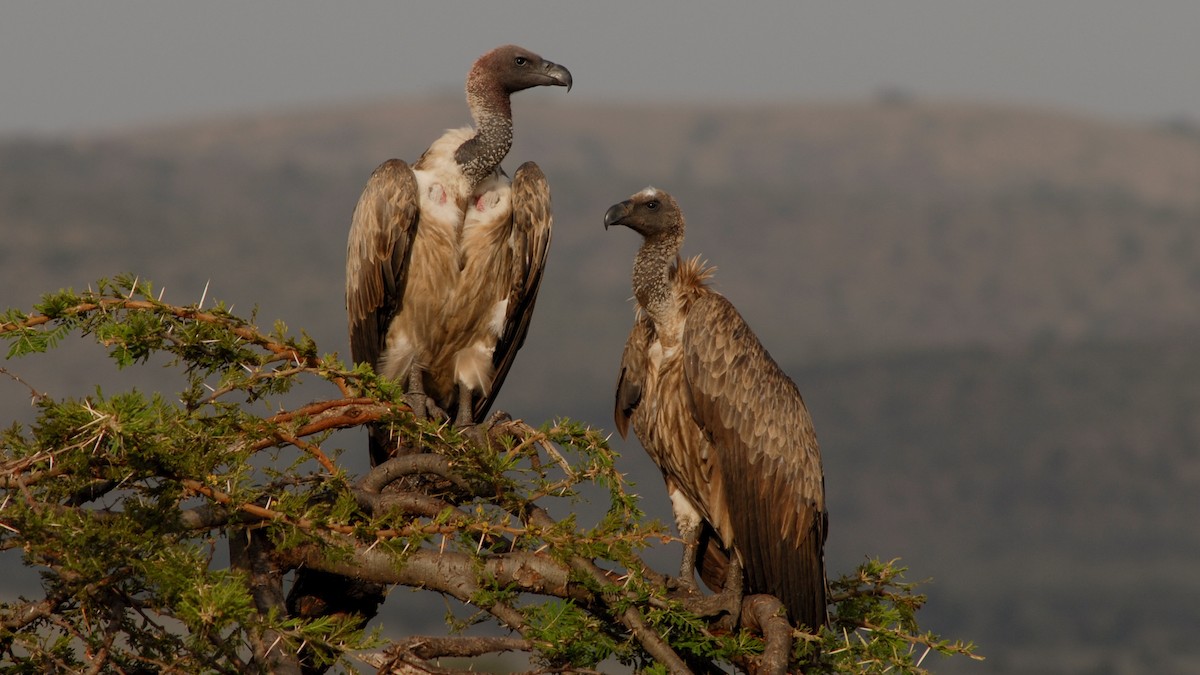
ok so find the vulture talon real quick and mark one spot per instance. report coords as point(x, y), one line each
point(478, 433)
point(424, 408)
point(727, 605)
point(499, 417)
point(481, 433)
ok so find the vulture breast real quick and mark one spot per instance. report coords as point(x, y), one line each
point(452, 318)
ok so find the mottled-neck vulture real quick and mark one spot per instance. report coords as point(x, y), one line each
point(726, 426)
point(445, 257)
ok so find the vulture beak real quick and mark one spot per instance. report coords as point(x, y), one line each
point(559, 76)
point(616, 213)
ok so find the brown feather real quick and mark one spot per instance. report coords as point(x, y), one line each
point(445, 259)
point(727, 428)
point(530, 245)
point(377, 255)
point(753, 415)
point(633, 369)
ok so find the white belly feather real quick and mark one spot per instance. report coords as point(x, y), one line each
point(461, 252)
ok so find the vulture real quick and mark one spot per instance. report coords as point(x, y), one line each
point(725, 425)
point(445, 257)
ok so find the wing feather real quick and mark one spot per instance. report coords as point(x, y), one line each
point(377, 254)
point(755, 418)
point(634, 362)
point(530, 241)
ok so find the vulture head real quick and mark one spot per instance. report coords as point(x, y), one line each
point(650, 213)
point(514, 68)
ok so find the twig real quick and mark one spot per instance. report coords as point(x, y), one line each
point(248, 334)
point(311, 449)
point(34, 395)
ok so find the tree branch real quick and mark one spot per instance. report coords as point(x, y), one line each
point(443, 571)
point(396, 468)
point(651, 641)
point(414, 653)
point(766, 614)
point(250, 551)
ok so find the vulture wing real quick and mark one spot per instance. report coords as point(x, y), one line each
point(757, 422)
point(633, 370)
point(530, 242)
point(377, 254)
point(711, 558)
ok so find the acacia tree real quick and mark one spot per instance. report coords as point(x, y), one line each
point(166, 530)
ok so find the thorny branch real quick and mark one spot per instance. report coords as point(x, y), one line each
point(415, 654)
point(480, 537)
point(250, 552)
point(281, 351)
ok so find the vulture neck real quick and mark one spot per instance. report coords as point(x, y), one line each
point(492, 111)
point(652, 275)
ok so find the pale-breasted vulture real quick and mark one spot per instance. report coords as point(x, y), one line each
point(445, 258)
point(724, 423)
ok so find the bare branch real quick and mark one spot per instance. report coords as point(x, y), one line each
point(22, 615)
point(413, 654)
point(438, 647)
point(766, 614)
point(446, 572)
point(406, 465)
point(34, 395)
point(340, 414)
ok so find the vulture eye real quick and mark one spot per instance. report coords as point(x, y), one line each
point(652, 204)
point(520, 60)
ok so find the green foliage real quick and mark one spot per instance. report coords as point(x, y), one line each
point(125, 502)
point(874, 625)
point(569, 635)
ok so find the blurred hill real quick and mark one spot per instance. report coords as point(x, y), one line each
point(988, 310)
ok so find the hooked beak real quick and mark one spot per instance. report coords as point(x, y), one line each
point(616, 214)
point(559, 75)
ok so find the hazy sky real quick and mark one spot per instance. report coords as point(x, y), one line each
point(76, 66)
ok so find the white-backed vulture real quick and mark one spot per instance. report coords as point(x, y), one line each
point(445, 258)
point(723, 422)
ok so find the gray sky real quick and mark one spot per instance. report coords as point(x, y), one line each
point(83, 65)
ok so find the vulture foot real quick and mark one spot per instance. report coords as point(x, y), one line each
point(727, 605)
point(423, 407)
point(686, 583)
point(481, 433)
point(728, 602)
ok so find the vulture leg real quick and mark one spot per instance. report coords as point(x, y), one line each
point(689, 521)
point(691, 526)
point(687, 566)
point(728, 601)
point(466, 409)
point(422, 406)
